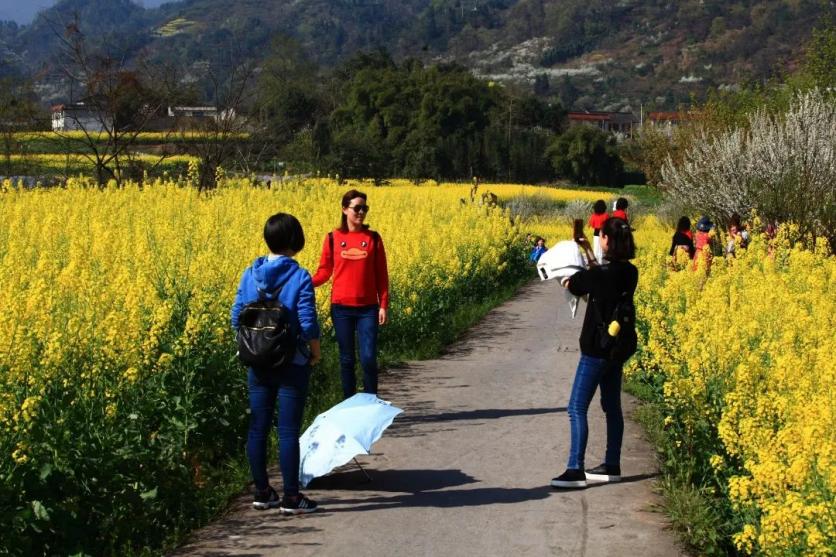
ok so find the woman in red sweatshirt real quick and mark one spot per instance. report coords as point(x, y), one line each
point(355, 256)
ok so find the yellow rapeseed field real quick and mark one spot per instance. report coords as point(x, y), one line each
point(118, 381)
point(745, 358)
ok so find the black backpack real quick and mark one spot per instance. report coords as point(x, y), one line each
point(620, 347)
point(267, 339)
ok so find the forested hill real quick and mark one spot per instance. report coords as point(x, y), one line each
point(594, 54)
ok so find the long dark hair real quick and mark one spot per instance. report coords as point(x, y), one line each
point(349, 195)
point(620, 244)
point(683, 225)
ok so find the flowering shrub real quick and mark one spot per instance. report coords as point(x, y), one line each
point(781, 166)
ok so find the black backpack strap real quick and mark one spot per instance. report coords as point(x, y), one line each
point(266, 295)
point(331, 245)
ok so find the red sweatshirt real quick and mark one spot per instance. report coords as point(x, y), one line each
point(596, 222)
point(361, 276)
point(620, 214)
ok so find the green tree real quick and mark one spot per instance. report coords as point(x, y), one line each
point(588, 156)
point(18, 112)
point(820, 61)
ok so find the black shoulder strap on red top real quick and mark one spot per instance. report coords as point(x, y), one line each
point(331, 245)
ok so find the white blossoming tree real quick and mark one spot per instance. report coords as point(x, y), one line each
point(781, 166)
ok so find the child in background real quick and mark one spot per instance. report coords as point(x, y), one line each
point(620, 211)
point(538, 250)
point(596, 222)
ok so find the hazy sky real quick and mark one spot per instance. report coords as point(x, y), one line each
point(23, 11)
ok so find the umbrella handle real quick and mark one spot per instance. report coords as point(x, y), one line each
point(368, 478)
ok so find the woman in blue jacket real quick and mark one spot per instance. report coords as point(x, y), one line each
point(285, 238)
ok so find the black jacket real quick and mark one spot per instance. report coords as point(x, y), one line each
point(680, 239)
point(604, 285)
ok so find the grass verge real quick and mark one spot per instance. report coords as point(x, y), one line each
point(695, 511)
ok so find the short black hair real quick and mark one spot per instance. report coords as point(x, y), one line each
point(284, 232)
point(683, 224)
point(600, 207)
point(621, 203)
point(620, 244)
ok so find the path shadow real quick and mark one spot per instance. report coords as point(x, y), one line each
point(420, 419)
point(248, 532)
point(481, 414)
point(445, 499)
point(400, 481)
point(497, 323)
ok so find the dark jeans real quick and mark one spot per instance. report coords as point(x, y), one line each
point(289, 388)
point(591, 373)
point(362, 320)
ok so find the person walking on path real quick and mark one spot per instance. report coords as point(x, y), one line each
point(596, 221)
point(354, 255)
point(604, 349)
point(279, 275)
point(620, 209)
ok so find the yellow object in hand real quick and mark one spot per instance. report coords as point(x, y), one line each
point(614, 328)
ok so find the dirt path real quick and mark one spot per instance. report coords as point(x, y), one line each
point(466, 469)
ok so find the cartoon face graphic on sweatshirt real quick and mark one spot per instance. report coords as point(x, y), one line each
point(354, 249)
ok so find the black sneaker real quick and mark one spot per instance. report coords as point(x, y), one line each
point(604, 474)
point(267, 499)
point(570, 479)
point(297, 505)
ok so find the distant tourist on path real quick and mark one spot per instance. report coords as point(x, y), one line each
point(278, 275)
point(608, 339)
point(354, 255)
point(620, 211)
point(538, 250)
point(596, 221)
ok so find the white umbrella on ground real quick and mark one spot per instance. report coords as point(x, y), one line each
point(338, 435)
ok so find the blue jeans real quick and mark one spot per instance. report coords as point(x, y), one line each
point(289, 388)
point(591, 373)
point(362, 320)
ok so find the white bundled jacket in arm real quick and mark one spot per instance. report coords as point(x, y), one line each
point(562, 260)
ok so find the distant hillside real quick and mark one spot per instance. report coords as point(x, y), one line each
point(591, 53)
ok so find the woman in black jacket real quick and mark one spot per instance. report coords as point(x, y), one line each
point(683, 238)
point(604, 349)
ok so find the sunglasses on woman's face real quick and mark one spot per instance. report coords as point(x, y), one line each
point(359, 208)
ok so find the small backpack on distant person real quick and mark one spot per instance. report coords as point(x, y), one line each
point(617, 335)
point(266, 335)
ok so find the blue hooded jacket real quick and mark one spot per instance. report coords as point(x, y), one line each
point(297, 295)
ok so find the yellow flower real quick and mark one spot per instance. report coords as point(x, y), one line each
point(19, 455)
